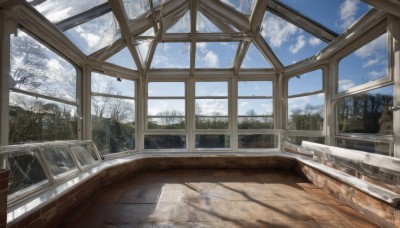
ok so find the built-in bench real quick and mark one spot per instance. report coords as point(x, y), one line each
point(49, 204)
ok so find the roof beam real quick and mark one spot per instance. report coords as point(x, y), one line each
point(244, 46)
point(109, 51)
point(257, 15)
point(6, 4)
point(174, 17)
point(217, 21)
point(84, 17)
point(296, 18)
point(126, 33)
point(193, 23)
point(204, 37)
point(389, 6)
point(152, 50)
point(232, 16)
point(267, 52)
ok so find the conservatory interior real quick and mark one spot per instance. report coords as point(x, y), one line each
point(199, 113)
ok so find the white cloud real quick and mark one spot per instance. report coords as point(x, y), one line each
point(373, 47)
point(211, 59)
point(313, 41)
point(371, 62)
point(277, 31)
point(348, 10)
point(298, 46)
point(211, 106)
point(201, 45)
point(54, 64)
point(374, 75)
point(345, 84)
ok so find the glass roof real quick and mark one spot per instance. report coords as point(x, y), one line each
point(215, 54)
point(204, 25)
point(243, 6)
point(290, 43)
point(182, 25)
point(95, 34)
point(58, 10)
point(135, 8)
point(143, 48)
point(254, 59)
point(336, 15)
point(172, 55)
point(123, 58)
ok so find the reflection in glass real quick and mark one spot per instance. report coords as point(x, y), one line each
point(35, 68)
point(113, 124)
point(35, 119)
point(111, 85)
point(366, 112)
point(213, 89)
point(243, 6)
point(204, 25)
point(135, 8)
point(123, 58)
point(305, 83)
point(171, 55)
point(367, 64)
point(25, 171)
point(254, 59)
point(306, 113)
point(59, 160)
point(382, 148)
point(182, 25)
point(164, 142)
point(212, 141)
point(215, 54)
point(299, 139)
point(254, 88)
point(95, 34)
point(83, 154)
point(256, 141)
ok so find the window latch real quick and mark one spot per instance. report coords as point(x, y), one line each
point(396, 108)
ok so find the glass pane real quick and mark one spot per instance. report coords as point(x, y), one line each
point(166, 108)
point(366, 112)
point(204, 25)
point(34, 119)
point(254, 59)
point(243, 6)
point(158, 2)
point(83, 154)
point(306, 113)
point(58, 10)
point(172, 55)
point(59, 160)
point(25, 171)
point(254, 88)
point(166, 89)
point(308, 82)
point(290, 43)
point(110, 85)
point(170, 122)
point(182, 25)
point(215, 54)
point(255, 107)
point(212, 141)
point(149, 32)
point(256, 141)
point(113, 124)
point(35, 68)
point(372, 147)
point(213, 89)
point(123, 58)
point(265, 122)
point(135, 8)
point(212, 122)
point(143, 49)
point(299, 139)
point(367, 64)
point(337, 15)
point(211, 107)
point(95, 34)
point(164, 142)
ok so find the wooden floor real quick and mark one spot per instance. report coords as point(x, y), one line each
point(215, 198)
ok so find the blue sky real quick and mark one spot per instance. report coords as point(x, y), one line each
point(305, 83)
point(123, 58)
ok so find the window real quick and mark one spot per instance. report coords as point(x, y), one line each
point(164, 141)
point(171, 55)
point(368, 63)
point(215, 54)
point(42, 103)
point(123, 58)
point(256, 141)
point(113, 113)
point(254, 59)
point(212, 141)
point(59, 160)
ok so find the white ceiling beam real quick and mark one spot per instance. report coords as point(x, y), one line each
point(193, 27)
point(296, 18)
point(257, 15)
point(232, 16)
point(109, 51)
point(241, 52)
point(267, 51)
point(152, 50)
point(223, 26)
point(204, 37)
point(389, 6)
point(121, 16)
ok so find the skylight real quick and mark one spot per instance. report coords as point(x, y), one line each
point(58, 10)
point(135, 8)
point(123, 58)
point(95, 34)
point(204, 25)
point(243, 6)
point(215, 54)
point(143, 48)
point(172, 55)
point(182, 25)
point(254, 59)
point(336, 15)
point(290, 43)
